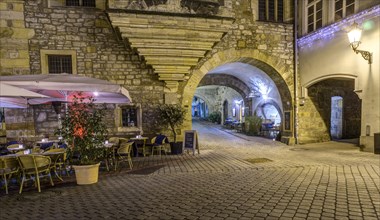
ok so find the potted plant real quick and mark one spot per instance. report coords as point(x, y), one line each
point(172, 117)
point(85, 131)
point(252, 125)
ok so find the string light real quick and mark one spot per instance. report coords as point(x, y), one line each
point(328, 32)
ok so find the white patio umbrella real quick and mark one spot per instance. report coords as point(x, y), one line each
point(62, 87)
point(15, 97)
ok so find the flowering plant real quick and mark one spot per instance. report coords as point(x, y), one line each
point(84, 130)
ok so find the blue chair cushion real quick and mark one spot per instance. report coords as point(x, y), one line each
point(160, 138)
point(62, 146)
point(46, 145)
point(12, 142)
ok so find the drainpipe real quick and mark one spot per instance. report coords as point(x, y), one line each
point(295, 61)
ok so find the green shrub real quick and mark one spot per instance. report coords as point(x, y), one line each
point(253, 125)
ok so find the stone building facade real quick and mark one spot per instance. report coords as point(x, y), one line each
point(113, 41)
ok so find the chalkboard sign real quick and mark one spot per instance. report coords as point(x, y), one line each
point(190, 141)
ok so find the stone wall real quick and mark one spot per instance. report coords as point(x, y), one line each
point(14, 58)
point(215, 97)
point(100, 53)
point(20, 124)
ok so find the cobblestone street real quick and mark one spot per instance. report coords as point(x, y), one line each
point(233, 177)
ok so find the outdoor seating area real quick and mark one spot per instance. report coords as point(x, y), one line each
point(57, 127)
point(21, 165)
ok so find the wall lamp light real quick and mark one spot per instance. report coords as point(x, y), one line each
point(354, 37)
point(302, 101)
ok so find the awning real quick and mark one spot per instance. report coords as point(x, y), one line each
point(62, 87)
point(15, 97)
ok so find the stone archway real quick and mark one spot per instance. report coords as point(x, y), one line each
point(226, 80)
point(275, 68)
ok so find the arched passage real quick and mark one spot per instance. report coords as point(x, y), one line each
point(276, 69)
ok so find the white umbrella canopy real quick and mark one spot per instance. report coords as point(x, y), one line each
point(12, 102)
point(62, 87)
point(15, 97)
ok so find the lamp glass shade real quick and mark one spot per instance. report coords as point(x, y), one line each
point(354, 35)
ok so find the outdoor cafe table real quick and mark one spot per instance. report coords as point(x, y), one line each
point(47, 143)
point(43, 154)
point(15, 149)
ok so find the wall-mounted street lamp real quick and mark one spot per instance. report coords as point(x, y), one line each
point(302, 101)
point(354, 37)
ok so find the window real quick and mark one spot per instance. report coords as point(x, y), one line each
point(344, 8)
point(84, 3)
point(129, 116)
point(58, 61)
point(60, 64)
point(271, 10)
point(314, 15)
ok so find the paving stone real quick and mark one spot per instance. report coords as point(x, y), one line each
point(219, 184)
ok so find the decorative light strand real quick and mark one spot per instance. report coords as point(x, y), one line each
point(329, 31)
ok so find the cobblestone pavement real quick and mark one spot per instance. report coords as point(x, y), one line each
point(234, 177)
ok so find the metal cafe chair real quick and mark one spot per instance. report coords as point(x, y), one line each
point(34, 165)
point(58, 157)
point(160, 143)
point(8, 167)
point(124, 154)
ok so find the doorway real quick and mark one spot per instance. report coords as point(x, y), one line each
point(225, 110)
point(336, 117)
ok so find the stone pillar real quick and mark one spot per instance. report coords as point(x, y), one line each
point(14, 38)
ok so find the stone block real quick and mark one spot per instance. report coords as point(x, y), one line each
point(262, 47)
point(18, 7)
point(11, 15)
point(241, 44)
point(3, 6)
point(101, 23)
point(21, 33)
point(11, 63)
point(18, 24)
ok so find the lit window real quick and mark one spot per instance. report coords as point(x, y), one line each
point(129, 116)
point(60, 64)
point(314, 15)
point(84, 3)
point(344, 8)
point(271, 10)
